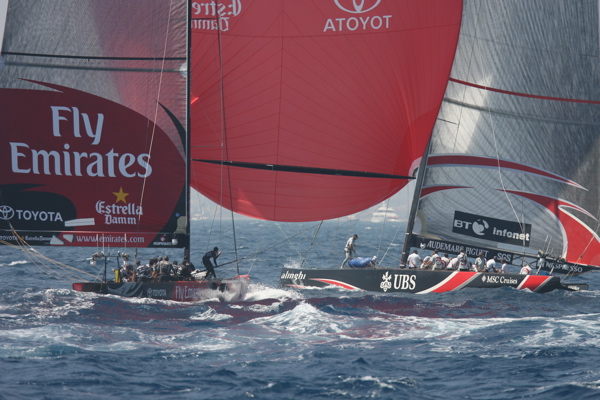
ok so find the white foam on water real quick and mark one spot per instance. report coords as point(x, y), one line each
point(306, 319)
point(257, 292)
point(383, 383)
point(580, 330)
point(210, 315)
point(14, 263)
point(56, 303)
point(259, 308)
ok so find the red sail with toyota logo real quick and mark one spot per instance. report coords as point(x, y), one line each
point(312, 110)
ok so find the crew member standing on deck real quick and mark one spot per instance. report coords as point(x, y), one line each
point(413, 260)
point(210, 270)
point(349, 249)
point(480, 262)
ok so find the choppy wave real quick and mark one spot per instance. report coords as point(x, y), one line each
point(14, 263)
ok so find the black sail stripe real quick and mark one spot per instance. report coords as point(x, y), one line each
point(305, 170)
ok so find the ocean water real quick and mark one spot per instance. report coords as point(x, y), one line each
point(289, 344)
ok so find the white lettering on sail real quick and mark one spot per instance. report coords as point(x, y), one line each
point(75, 122)
point(111, 220)
point(214, 16)
point(119, 215)
point(360, 23)
point(14, 158)
point(34, 215)
point(27, 160)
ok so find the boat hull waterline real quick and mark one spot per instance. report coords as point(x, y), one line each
point(225, 290)
point(418, 281)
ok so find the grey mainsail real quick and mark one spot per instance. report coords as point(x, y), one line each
point(513, 166)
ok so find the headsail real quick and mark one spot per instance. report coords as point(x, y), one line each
point(93, 116)
point(514, 162)
point(310, 110)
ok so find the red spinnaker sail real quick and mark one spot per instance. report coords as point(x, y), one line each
point(315, 109)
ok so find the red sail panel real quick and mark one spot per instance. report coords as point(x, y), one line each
point(341, 89)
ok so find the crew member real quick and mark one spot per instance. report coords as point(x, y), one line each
point(210, 270)
point(349, 249)
point(413, 261)
point(526, 270)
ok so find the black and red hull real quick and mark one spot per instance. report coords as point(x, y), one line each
point(417, 281)
point(226, 290)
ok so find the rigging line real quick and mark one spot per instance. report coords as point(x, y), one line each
point(254, 260)
point(385, 204)
point(311, 244)
point(29, 250)
point(234, 240)
point(225, 147)
point(38, 260)
point(219, 201)
point(212, 225)
point(33, 258)
point(390, 245)
point(288, 240)
point(306, 170)
point(377, 248)
point(157, 104)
